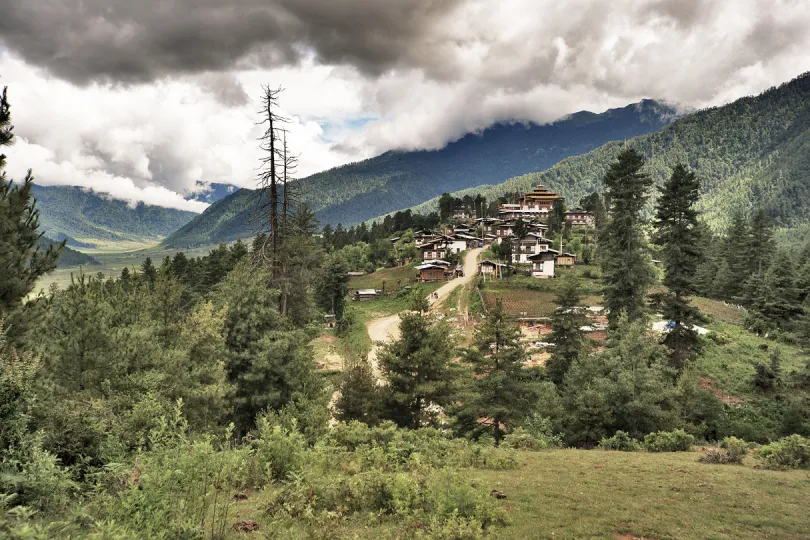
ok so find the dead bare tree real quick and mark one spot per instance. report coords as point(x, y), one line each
point(290, 166)
point(269, 172)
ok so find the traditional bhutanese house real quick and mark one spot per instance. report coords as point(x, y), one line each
point(540, 198)
point(490, 239)
point(543, 263)
point(578, 217)
point(516, 211)
point(490, 268)
point(432, 250)
point(566, 260)
point(541, 228)
point(488, 224)
point(472, 242)
point(363, 295)
point(505, 228)
point(421, 237)
point(460, 213)
point(456, 243)
point(430, 272)
point(529, 245)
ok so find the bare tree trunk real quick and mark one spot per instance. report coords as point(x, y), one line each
point(269, 175)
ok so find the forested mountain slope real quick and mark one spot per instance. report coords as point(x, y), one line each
point(360, 191)
point(752, 152)
point(68, 257)
point(86, 218)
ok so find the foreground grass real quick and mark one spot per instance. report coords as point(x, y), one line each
point(595, 494)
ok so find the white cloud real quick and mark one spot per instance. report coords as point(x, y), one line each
point(515, 59)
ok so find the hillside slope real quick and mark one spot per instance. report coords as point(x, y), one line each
point(360, 191)
point(752, 152)
point(86, 218)
point(68, 257)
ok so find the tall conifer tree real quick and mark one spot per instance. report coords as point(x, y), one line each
point(21, 259)
point(566, 331)
point(501, 391)
point(678, 234)
point(625, 262)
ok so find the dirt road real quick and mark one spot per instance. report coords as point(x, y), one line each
point(387, 328)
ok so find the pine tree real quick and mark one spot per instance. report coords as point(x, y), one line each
point(501, 391)
point(419, 371)
point(148, 271)
point(626, 268)
point(566, 331)
point(774, 300)
point(269, 363)
point(333, 285)
point(735, 269)
point(626, 387)
point(760, 247)
point(360, 397)
point(556, 218)
point(21, 259)
point(678, 234)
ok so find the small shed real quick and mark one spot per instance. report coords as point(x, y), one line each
point(430, 272)
point(363, 295)
point(566, 260)
point(489, 268)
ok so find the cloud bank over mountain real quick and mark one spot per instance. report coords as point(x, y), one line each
point(144, 99)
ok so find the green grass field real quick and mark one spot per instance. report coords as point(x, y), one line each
point(582, 494)
point(392, 278)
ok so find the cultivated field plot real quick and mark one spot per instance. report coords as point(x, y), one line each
point(393, 279)
point(521, 302)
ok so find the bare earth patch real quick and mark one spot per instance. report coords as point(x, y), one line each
point(706, 384)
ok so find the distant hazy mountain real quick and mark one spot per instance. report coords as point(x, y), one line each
point(754, 152)
point(68, 257)
point(87, 218)
point(359, 191)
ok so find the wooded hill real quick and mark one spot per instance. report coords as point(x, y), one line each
point(359, 191)
point(87, 218)
point(752, 152)
point(68, 257)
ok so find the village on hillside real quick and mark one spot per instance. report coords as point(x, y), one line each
point(520, 245)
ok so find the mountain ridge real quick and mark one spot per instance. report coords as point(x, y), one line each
point(358, 191)
point(752, 152)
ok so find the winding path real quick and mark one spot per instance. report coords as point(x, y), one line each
point(387, 328)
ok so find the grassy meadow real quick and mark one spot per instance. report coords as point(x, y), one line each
point(582, 494)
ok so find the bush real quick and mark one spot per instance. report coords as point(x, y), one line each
point(669, 441)
point(732, 451)
point(279, 450)
point(621, 442)
point(521, 440)
point(791, 452)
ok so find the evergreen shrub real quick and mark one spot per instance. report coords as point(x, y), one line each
point(669, 441)
point(791, 452)
point(621, 442)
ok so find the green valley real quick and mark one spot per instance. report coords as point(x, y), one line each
point(88, 219)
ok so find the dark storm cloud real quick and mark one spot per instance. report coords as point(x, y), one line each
point(139, 41)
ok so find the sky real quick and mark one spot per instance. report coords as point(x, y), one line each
point(145, 99)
